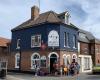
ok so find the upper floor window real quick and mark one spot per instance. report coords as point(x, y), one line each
point(66, 39)
point(53, 38)
point(74, 41)
point(18, 43)
point(36, 41)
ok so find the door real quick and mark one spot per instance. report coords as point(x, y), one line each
point(53, 60)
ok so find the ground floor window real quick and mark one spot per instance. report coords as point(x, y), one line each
point(35, 61)
point(43, 61)
point(66, 60)
point(17, 60)
point(86, 63)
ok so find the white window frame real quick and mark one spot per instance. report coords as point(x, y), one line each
point(16, 57)
point(33, 37)
point(18, 44)
point(74, 41)
point(66, 39)
point(34, 67)
point(66, 58)
point(43, 58)
point(86, 63)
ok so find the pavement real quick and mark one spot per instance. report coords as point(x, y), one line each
point(21, 76)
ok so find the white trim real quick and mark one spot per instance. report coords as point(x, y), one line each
point(32, 46)
point(75, 56)
point(82, 63)
point(18, 43)
point(16, 57)
point(34, 59)
point(53, 53)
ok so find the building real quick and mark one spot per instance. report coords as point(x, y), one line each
point(84, 50)
point(88, 51)
point(42, 40)
point(95, 51)
point(4, 48)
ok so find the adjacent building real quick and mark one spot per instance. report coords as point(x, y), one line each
point(42, 40)
point(84, 50)
point(4, 48)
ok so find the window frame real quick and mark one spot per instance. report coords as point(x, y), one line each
point(45, 62)
point(74, 41)
point(66, 39)
point(18, 44)
point(32, 44)
point(33, 60)
point(17, 56)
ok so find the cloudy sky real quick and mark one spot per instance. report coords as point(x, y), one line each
point(84, 13)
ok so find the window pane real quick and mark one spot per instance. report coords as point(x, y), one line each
point(36, 41)
point(43, 63)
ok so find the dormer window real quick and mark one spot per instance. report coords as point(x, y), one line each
point(67, 16)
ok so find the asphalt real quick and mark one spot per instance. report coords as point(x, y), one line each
point(20, 76)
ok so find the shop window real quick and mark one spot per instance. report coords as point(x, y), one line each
point(43, 61)
point(35, 61)
point(36, 41)
point(86, 63)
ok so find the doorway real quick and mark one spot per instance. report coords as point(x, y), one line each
point(53, 59)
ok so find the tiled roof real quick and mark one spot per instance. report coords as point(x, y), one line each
point(47, 17)
point(88, 35)
point(4, 42)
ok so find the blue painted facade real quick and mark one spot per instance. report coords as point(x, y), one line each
point(25, 36)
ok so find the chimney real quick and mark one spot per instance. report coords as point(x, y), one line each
point(34, 12)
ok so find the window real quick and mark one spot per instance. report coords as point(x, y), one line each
point(18, 43)
point(82, 35)
point(67, 16)
point(74, 41)
point(86, 63)
point(43, 61)
point(66, 39)
point(17, 60)
point(36, 41)
point(65, 43)
point(66, 60)
point(35, 61)
point(79, 47)
point(53, 38)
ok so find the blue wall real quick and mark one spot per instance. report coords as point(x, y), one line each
point(25, 36)
point(71, 31)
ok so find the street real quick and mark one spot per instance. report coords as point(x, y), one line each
point(20, 76)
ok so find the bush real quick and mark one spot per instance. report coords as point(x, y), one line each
point(96, 69)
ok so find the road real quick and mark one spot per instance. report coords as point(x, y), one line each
point(19, 76)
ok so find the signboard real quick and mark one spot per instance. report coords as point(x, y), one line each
point(53, 39)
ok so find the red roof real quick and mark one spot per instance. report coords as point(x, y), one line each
point(4, 42)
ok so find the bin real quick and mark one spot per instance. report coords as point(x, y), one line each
point(2, 73)
point(3, 69)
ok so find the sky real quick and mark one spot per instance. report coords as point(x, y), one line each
point(85, 14)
